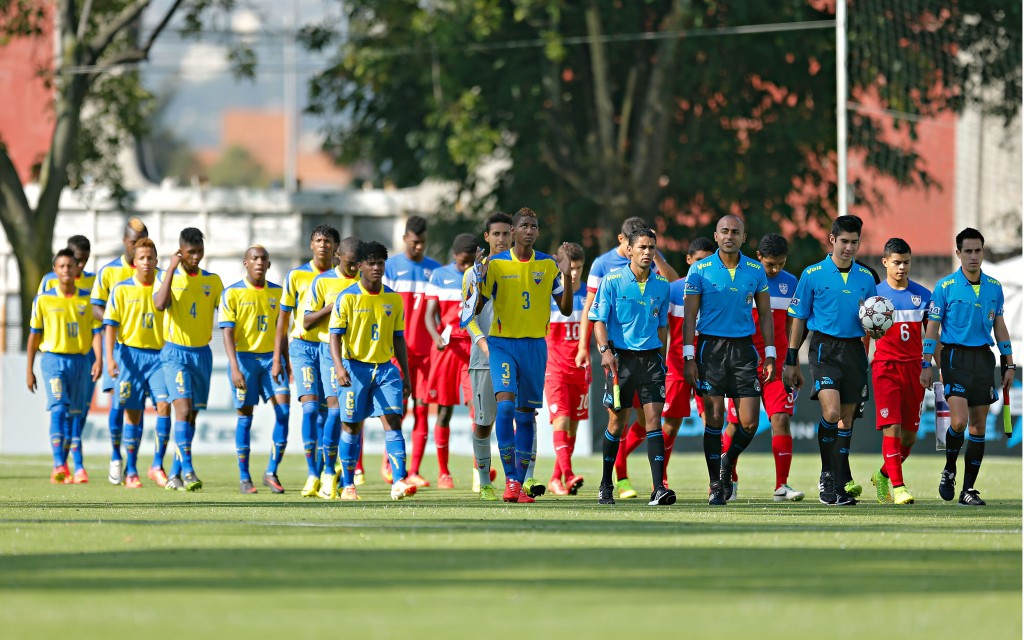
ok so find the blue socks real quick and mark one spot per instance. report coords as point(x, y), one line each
point(329, 441)
point(163, 435)
point(77, 422)
point(349, 452)
point(183, 432)
point(242, 431)
point(132, 440)
point(282, 413)
point(394, 444)
point(504, 432)
point(321, 421)
point(525, 428)
point(115, 424)
point(58, 417)
point(309, 441)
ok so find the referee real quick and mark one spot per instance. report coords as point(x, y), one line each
point(967, 306)
point(721, 289)
point(630, 316)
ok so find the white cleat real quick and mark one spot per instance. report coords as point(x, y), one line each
point(400, 489)
point(476, 480)
point(115, 476)
point(786, 493)
point(735, 492)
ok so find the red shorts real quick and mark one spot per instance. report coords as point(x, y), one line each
point(677, 398)
point(419, 371)
point(449, 375)
point(898, 394)
point(569, 398)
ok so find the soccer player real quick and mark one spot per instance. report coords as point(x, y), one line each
point(110, 274)
point(498, 236)
point(449, 368)
point(62, 326)
point(248, 318)
point(966, 311)
point(630, 319)
point(566, 386)
point(827, 301)
point(82, 250)
point(519, 281)
point(722, 288)
point(778, 402)
point(134, 329)
point(189, 295)
point(367, 331)
point(304, 350)
point(319, 305)
point(409, 274)
point(896, 372)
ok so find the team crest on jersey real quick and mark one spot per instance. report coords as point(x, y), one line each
point(206, 290)
point(81, 309)
point(915, 300)
point(387, 309)
point(784, 288)
point(537, 276)
point(884, 413)
point(427, 272)
point(273, 303)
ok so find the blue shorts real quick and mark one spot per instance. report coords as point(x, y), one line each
point(66, 378)
point(327, 377)
point(518, 365)
point(374, 390)
point(141, 372)
point(107, 383)
point(305, 357)
point(187, 371)
point(259, 383)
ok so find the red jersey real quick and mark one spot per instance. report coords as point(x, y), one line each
point(674, 352)
point(781, 288)
point(903, 341)
point(409, 279)
point(446, 288)
point(563, 340)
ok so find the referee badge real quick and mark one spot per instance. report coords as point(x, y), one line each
point(750, 298)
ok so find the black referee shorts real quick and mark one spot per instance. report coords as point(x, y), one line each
point(728, 367)
point(841, 364)
point(969, 372)
point(641, 373)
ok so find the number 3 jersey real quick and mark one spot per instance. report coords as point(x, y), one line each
point(133, 312)
point(563, 340)
point(252, 311)
point(903, 341)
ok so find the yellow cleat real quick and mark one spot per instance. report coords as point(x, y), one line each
point(625, 488)
point(349, 493)
point(900, 495)
point(360, 478)
point(310, 489)
point(487, 493)
point(328, 487)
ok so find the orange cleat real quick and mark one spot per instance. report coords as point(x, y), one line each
point(81, 477)
point(132, 482)
point(69, 479)
point(349, 493)
point(512, 491)
point(574, 484)
point(416, 480)
point(385, 470)
point(444, 481)
point(158, 475)
point(557, 488)
point(59, 473)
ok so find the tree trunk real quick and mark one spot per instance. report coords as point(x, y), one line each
point(33, 263)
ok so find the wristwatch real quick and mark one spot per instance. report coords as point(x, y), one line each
point(603, 348)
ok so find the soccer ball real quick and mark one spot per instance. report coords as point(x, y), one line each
point(876, 313)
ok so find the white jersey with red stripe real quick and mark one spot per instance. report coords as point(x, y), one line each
point(781, 288)
point(446, 288)
point(675, 329)
point(409, 279)
point(903, 341)
point(563, 340)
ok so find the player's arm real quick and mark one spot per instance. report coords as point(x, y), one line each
point(430, 321)
point(281, 363)
point(607, 358)
point(108, 347)
point(564, 299)
point(583, 351)
point(791, 374)
point(338, 326)
point(664, 268)
point(1002, 335)
point(763, 301)
point(97, 351)
point(237, 379)
point(402, 355)
point(599, 317)
point(162, 298)
point(98, 297)
point(691, 307)
point(663, 337)
point(481, 270)
point(34, 339)
point(317, 308)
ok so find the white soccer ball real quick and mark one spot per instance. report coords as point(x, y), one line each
point(876, 314)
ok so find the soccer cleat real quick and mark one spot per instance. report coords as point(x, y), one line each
point(604, 494)
point(882, 487)
point(245, 486)
point(725, 476)
point(533, 488)
point(59, 473)
point(310, 489)
point(157, 475)
point(947, 485)
point(402, 489)
point(476, 480)
point(115, 476)
point(826, 488)
point(385, 470)
point(901, 495)
point(132, 482)
point(786, 493)
point(174, 483)
point(625, 488)
point(732, 490)
point(359, 478)
point(192, 481)
point(349, 493)
point(512, 491)
point(557, 488)
point(574, 484)
point(844, 499)
point(81, 477)
point(716, 494)
point(853, 488)
point(416, 480)
point(69, 479)
point(525, 498)
point(487, 493)
point(328, 487)
point(971, 498)
point(444, 481)
point(662, 496)
point(270, 480)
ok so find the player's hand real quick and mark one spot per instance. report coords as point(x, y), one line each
point(483, 347)
point(610, 364)
point(30, 379)
point(439, 343)
point(564, 265)
point(1008, 378)
point(582, 358)
point(927, 377)
point(97, 371)
point(175, 261)
point(341, 375)
point(691, 374)
point(792, 376)
point(237, 378)
point(112, 370)
point(481, 266)
point(769, 369)
point(406, 389)
point(875, 334)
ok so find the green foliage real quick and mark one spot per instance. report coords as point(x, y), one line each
point(237, 168)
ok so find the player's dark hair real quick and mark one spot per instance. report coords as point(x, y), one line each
point(349, 245)
point(497, 218)
point(79, 242)
point(524, 212)
point(847, 224)
point(702, 245)
point(773, 245)
point(636, 234)
point(632, 225)
point(574, 250)
point(64, 253)
point(416, 225)
point(895, 245)
point(371, 250)
point(969, 233)
point(326, 231)
point(190, 236)
point(464, 243)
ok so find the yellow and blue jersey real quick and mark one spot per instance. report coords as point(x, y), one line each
point(86, 280)
point(132, 310)
point(115, 271)
point(296, 285)
point(520, 291)
point(252, 311)
point(726, 295)
point(633, 316)
point(829, 299)
point(190, 313)
point(65, 322)
point(323, 292)
point(966, 311)
point(368, 323)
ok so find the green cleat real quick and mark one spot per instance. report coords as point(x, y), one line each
point(487, 493)
point(853, 488)
point(881, 487)
point(192, 482)
point(625, 488)
point(901, 495)
point(533, 488)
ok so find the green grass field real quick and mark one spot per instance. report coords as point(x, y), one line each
point(101, 561)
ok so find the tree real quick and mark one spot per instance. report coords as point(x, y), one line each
point(99, 105)
point(237, 168)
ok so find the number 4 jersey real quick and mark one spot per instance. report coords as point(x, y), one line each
point(902, 342)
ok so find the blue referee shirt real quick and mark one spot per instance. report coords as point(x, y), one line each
point(829, 299)
point(726, 295)
point(633, 318)
point(966, 316)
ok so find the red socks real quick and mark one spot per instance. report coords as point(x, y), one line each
point(563, 455)
point(893, 460)
point(419, 438)
point(634, 436)
point(441, 435)
point(782, 451)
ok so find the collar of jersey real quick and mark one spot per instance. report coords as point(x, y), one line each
point(962, 277)
point(512, 254)
point(717, 258)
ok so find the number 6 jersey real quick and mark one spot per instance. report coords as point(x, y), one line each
point(903, 341)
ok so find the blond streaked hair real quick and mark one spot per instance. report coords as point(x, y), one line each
point(257, 247)
point(136, 225)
